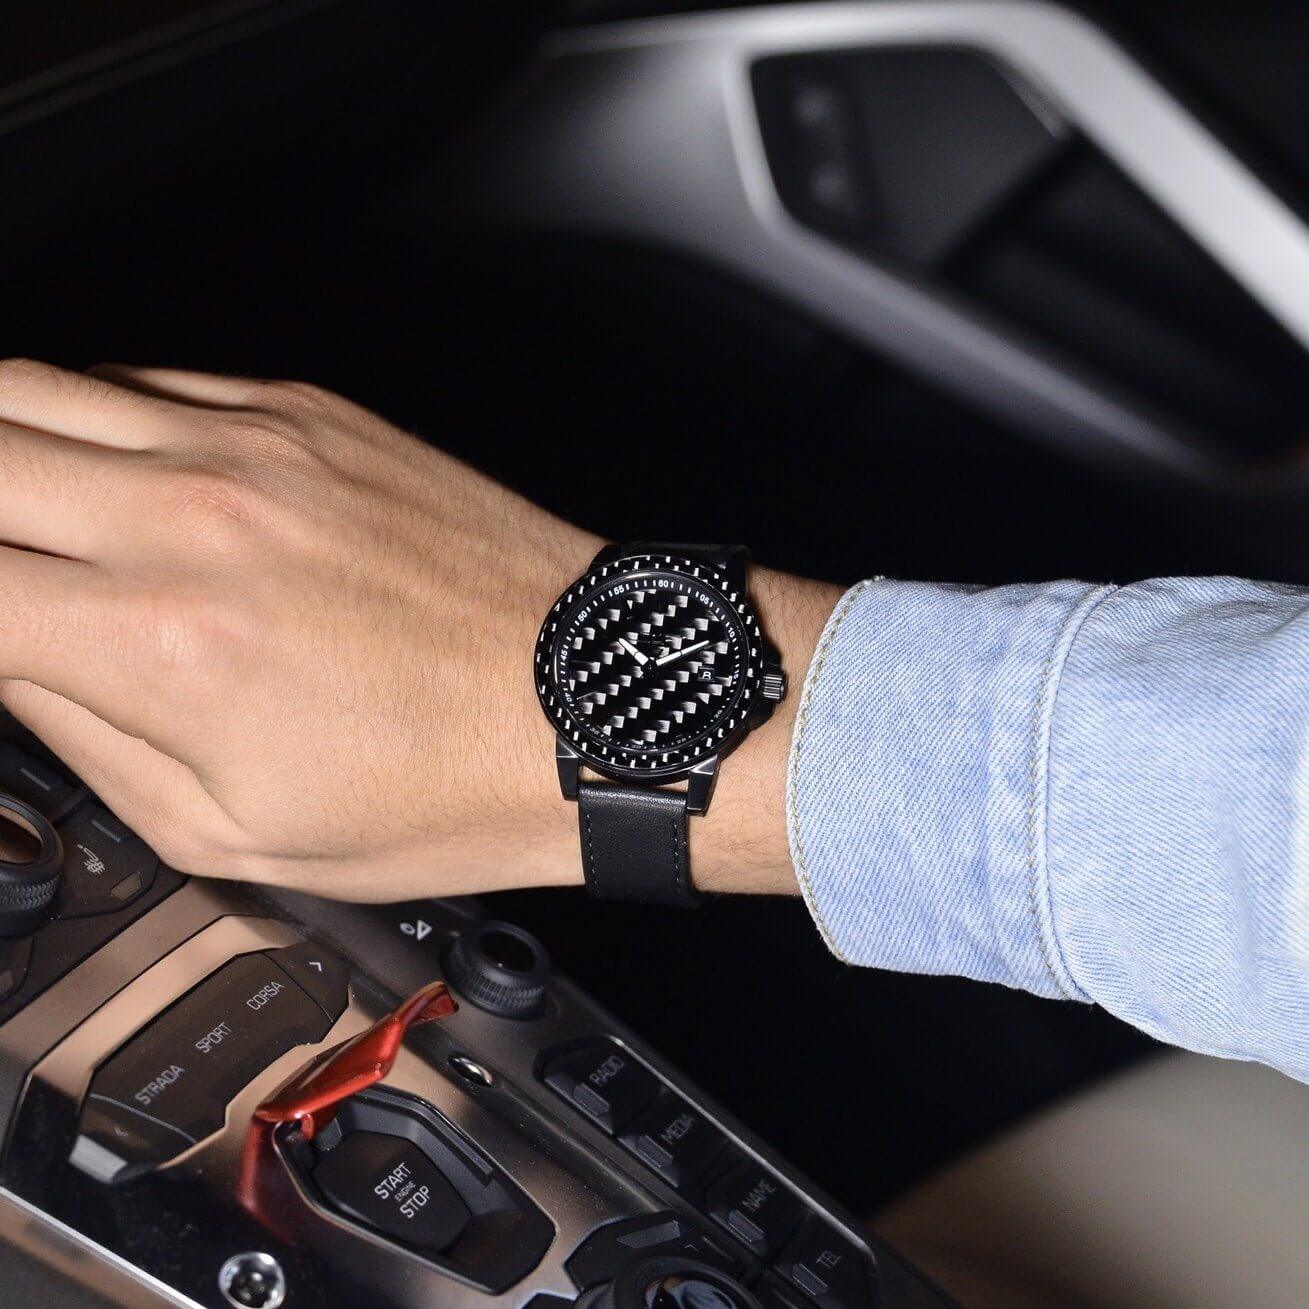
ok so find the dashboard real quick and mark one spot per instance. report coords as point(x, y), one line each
point(524, 1150)
point(868, 223)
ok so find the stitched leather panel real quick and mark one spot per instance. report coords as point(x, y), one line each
point(634, 843)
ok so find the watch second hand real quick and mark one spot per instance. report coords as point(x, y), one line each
point(677, 654)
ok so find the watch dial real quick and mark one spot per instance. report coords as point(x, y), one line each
point(651, 669)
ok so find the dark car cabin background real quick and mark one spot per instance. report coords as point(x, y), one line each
point(249, 195)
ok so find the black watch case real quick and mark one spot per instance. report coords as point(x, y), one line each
point(622, 638)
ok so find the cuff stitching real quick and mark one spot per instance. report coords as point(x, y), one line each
point(793, 764)
point(1038, 880)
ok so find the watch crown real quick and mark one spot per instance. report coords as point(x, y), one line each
point(773, 686)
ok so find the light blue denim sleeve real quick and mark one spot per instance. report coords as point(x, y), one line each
point(1088, 792)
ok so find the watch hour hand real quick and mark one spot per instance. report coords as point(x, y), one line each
point(677, 654)
point(633, 651)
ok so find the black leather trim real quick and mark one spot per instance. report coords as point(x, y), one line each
point(634, 843)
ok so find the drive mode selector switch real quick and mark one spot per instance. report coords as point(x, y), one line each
point(31, 861)
point(169, 1086)
point(499, 968)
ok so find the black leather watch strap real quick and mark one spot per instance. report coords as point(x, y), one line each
point(634, 843)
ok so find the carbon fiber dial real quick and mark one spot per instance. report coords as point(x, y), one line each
point(649, 665)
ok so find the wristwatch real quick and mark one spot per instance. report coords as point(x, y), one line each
point(651, 668)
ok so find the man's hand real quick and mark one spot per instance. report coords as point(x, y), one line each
point(289, 643)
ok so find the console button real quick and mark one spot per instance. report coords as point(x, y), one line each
point(605, 1082)
point(187, 1065)
point(755, 1207)
point(106, 865)
point(674, 1139)
point(15, 955)
point(387, 1183)
point(322, 974)
point(45, 788)
point(827, 1268)
point(775, 1292)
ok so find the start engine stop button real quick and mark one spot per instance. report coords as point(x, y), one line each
point(387, 1183)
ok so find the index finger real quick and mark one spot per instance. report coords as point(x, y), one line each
point(93, 409)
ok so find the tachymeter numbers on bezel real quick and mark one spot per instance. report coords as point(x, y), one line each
point(649, 664)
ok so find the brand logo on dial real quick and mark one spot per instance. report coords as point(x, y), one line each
point(649, 664)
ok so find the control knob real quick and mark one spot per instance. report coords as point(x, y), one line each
point(31, 861)
point(499, 968)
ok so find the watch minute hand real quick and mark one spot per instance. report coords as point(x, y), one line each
point(677, 654)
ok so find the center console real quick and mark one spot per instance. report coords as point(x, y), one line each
point(525, 1151)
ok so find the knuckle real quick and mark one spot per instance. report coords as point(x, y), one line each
point(273, 450)
point(304, 408)
point(195, 845)
point(180, 847)
point(301, 397)
point(285, 406)
point(154, 820)
point(264, 438)
point(195, 639)
point(175, 847)
point(210, 502)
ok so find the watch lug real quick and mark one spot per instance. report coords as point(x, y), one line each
point(607, 555)
point(569, 764)
point(700, 785)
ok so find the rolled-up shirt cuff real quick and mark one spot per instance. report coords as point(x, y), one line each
point(916, 787)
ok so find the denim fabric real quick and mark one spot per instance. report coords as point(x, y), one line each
point(1084, 791)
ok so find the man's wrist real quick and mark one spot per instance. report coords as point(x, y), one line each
point(740, 843)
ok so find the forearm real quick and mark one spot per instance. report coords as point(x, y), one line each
point(287, 642)
point(1084, 792)
point(741, 843)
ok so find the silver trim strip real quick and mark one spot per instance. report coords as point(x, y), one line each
point(1186, 170)
point(66, 1251)
point(648, 130)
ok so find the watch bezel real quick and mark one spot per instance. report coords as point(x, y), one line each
point(613, 762)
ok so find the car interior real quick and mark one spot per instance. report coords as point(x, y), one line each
point(983, 291)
